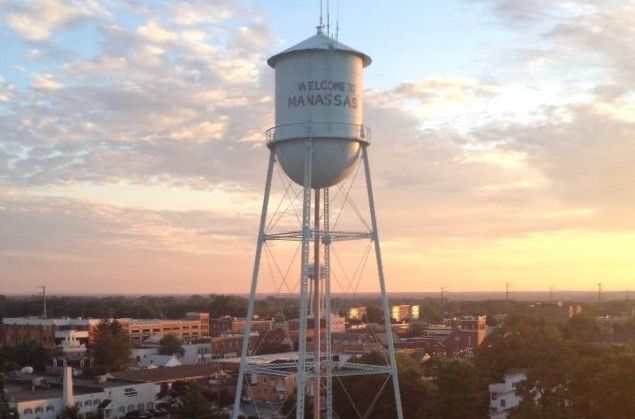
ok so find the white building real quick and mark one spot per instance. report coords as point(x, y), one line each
point(502, 396)
point(196, 353)
point(42, 397)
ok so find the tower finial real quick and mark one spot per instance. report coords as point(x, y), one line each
point(320, 26)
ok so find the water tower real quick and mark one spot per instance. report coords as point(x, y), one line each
point(318, 139)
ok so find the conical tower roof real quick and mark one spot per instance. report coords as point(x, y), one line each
point(319, 42)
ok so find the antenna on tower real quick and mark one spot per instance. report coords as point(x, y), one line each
point(328, 18)
point(337, 22)
point(321, 24)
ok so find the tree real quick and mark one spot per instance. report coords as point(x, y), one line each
point(171, 345)
point(70, 412)
point(227, 305)
point(458, 392)
point(112, 348)
point(30, 353)
point(194, 404)
point(357, 393)
point(288, 407)
point(374, 314)
point(519, 344)
point(583, 328)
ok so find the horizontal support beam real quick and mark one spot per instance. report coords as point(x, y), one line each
point(331, 236)
point(341, 369)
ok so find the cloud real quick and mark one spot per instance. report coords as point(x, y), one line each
point(178, 102)
point(7, 90)
point(37, 20)
point(153, 102)
point(444, 90)
point(194, 12)
point(45, 82)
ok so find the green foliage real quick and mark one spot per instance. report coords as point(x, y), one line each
point(231, 305)
point(569, 374)
point(288, 407)
point(374, 314)
point(519, 344)
point(70, 413)
point(582, 328)
point(28, 353)
point(171, 345)
point(112, 348)
point(194, 404)
point(357, 393)
point(458, 392)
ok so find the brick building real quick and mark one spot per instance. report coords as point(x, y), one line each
point(52, 332)
point(464, 340)
point(49, 332)
point(229, 324)
point(194, 325)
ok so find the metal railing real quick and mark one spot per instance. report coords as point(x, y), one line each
point(318, 129)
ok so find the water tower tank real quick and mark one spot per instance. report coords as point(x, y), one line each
point(319, 95)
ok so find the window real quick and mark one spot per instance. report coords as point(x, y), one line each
point(39, 409)
point(149, 405)
point(503, 403)
point(130, 391)
point(96, 402)
point(50, 408)
point(28, 411)
point(130, 407)
point(140, 406)
point(122, 410)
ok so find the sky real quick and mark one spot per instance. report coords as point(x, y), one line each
point(132, 156)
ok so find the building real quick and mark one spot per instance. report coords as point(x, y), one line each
point(49, 332)
point(556, 312)
point(357, 313)
point(404, 312)
point(338, 325)
point(52, 332)
point(45, 397)
point(195, 325)
point(271, 388)
point(502, 396)
point(229, 324)
point(464, 340)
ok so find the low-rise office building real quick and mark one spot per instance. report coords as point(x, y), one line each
point(52, 333)
point(194, 325)
point(44, 397)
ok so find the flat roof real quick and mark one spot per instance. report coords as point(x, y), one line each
point(46, 393)
point(155, 375)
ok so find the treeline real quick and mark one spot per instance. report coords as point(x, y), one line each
point(165, 307)
point(571, 372)
point(174, 307)
point(570, 375)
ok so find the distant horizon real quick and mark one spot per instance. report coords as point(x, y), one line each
point(518, 295)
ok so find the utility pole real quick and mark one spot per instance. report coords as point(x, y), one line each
point(599, 292)
point(444, 290)
point(550, 295)
point(43, 287)
point(507, 284)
